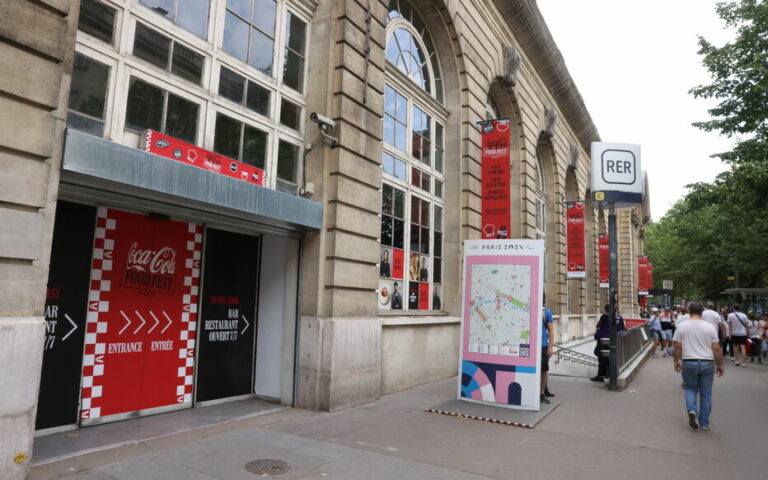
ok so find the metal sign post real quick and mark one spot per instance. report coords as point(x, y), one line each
point(613, 368)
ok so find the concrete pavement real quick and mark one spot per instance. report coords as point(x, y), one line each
point(638, 433)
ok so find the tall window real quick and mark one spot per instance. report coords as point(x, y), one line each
point(249, 32)
point(541, 202)
point(411, 257)
point(88, 95)
point(150, 107)
point(191, 15)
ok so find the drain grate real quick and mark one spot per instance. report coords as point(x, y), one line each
point(267, 467)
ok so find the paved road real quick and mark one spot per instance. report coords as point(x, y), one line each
point(639, 433)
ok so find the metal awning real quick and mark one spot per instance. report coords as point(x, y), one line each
point(99, 171)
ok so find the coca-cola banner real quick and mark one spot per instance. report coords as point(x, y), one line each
point(142, 312)
point(649, 276)
point(642, 275)
point(575, 238)
point(604, 251)
point(495, 181)
point(175, 149)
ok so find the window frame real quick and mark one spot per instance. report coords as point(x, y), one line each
point(171, 47)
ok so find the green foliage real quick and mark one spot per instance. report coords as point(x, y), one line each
point(720, 229)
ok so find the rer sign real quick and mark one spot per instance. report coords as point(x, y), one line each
point(616, 173)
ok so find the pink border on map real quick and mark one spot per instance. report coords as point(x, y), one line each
point(535, 316)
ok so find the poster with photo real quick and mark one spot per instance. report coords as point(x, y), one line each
point(418, 268)
point(385, 263)
point(398, 263)
point(437, 302)
point(413, 295)
point(385, 295)
point(396, 296)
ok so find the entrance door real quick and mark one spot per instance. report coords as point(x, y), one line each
point(228, 316)
point(141, 321)
point(65, 308)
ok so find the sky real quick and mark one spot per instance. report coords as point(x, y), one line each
point(634, 63)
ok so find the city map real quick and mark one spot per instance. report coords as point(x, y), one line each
point(499, 310)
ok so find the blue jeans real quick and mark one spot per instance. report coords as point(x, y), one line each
point(698, 377)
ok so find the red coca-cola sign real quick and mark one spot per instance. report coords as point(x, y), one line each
point(150, 269)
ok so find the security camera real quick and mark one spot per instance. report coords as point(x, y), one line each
point(323, 121)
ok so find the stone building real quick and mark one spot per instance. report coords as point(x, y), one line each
point(358, 122)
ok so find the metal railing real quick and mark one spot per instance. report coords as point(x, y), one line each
point(563, 354)
point(631, 342)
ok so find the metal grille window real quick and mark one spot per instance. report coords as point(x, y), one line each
point(191, 15)
point(240, 141)
point(167, 54)
point(295, 48)
point(249, 32)
point(88, 95)
point(150, 107)
point(244, 92)
point(97, 19)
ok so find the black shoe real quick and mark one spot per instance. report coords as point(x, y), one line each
point(544, 399)
point(694, 424)
point(598, 379)
point(547, 393)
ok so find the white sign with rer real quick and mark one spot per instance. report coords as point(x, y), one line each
point(617, 174)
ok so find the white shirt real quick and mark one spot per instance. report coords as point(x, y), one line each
point(681, 319)
point(654, 322)
point(735, 323)
point(696, 336)
point(754, 329)
point(711, 317)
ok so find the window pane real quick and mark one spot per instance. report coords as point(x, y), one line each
point(97, 19)
point(417, 116)
point(398, 240)
point(426, 182)
point(401, 134)
point(414, 238)
point(438, 135)
point(389, 129)
point(402, 108)
point(254, 147)
point(415, 177)
point(438, 188)
point(386, 199)
point(439, 160)
point(235, 37)
point(260, 55)
point(192, 15)
point(151, 46)
point(231, 85)
point(386, 230)
point(241, 7)
point(388, 163)
point(424, 244)
point(437, 271)
point(415, 209)
point(399, 203)
point(181, 119)
point(88, 90)
point(161, 7)
point(227, 137)
point(293, 71)
point(389, 100)
point(425, 213)
point(438, 244)
point(415, 145)
point(400, 170)
point(257, 99)
point(290, 114)
point(426, 146)
point(84, 124)
point(287, 161)
point(296, 31)
point(145, 106)
point(264, 16)
point(438, 219)
point(187, 64)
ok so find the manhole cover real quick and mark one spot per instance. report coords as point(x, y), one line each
point(267, 467)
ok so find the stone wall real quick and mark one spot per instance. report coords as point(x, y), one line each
point(36, 47)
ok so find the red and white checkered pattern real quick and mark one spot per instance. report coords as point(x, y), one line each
point(96, 326)
point(188, 331)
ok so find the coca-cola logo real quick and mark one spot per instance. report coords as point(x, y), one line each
point(161, 143)
point(233, 167)
point(162, 262)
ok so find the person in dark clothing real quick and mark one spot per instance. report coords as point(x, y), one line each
point(602, 331)
point(397, 299)
point(384, 268)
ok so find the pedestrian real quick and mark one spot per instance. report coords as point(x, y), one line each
point(756, 347)
point(763, 325)
point(737, 325)
point(602, 331)
point(667, 321)
point(710, 315)
point(726, 334)
point(654, 324)
point(547, 338)
point(697, 345)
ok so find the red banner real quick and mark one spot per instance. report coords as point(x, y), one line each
point(495, 179)
point(575, 238)
point(649, 276)
point(175, 149)
point(142, 312)
point(642, 275)
point(604, 251)
point(423, 296)
point(398, 263)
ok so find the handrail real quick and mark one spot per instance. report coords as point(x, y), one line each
point(566, 354)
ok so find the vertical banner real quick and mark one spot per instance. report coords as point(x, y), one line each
point(495, 178)
point(649, 276)
point(502, 322)
point(604, 252)
point(642, 276)
point(575, 240)
point(142, 312)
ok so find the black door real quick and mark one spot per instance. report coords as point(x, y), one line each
point(65, 310)
point(227, 330)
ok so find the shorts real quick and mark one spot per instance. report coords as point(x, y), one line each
point(656, 334)
point(668, 334)
point(738, 339)
point(544, 360)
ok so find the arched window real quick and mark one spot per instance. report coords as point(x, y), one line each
point(412, 205)
point(541, 202)
point(492, 110)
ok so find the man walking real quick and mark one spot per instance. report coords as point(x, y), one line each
point(737, 325)
point(655, 327)
point(697, 345)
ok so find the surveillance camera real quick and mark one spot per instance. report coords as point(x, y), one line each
point(321, 120)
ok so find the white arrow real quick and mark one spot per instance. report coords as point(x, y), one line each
point(156, 322)
point(246, 325)
point(108, 255)
point(74, 327)
point(169, 323)
point(127, 320)
point(142, 322)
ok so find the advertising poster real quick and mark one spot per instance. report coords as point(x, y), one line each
point(649, 276)
point(502, 322)
point(65, 307)
point(642, 276)
point(227, 316)
point(391, 276)
point(495, 178)
point(142, 312)
point(575, 238)
point(175, 149)
point(604, 252)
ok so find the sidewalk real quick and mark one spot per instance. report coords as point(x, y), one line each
point(638, 433)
